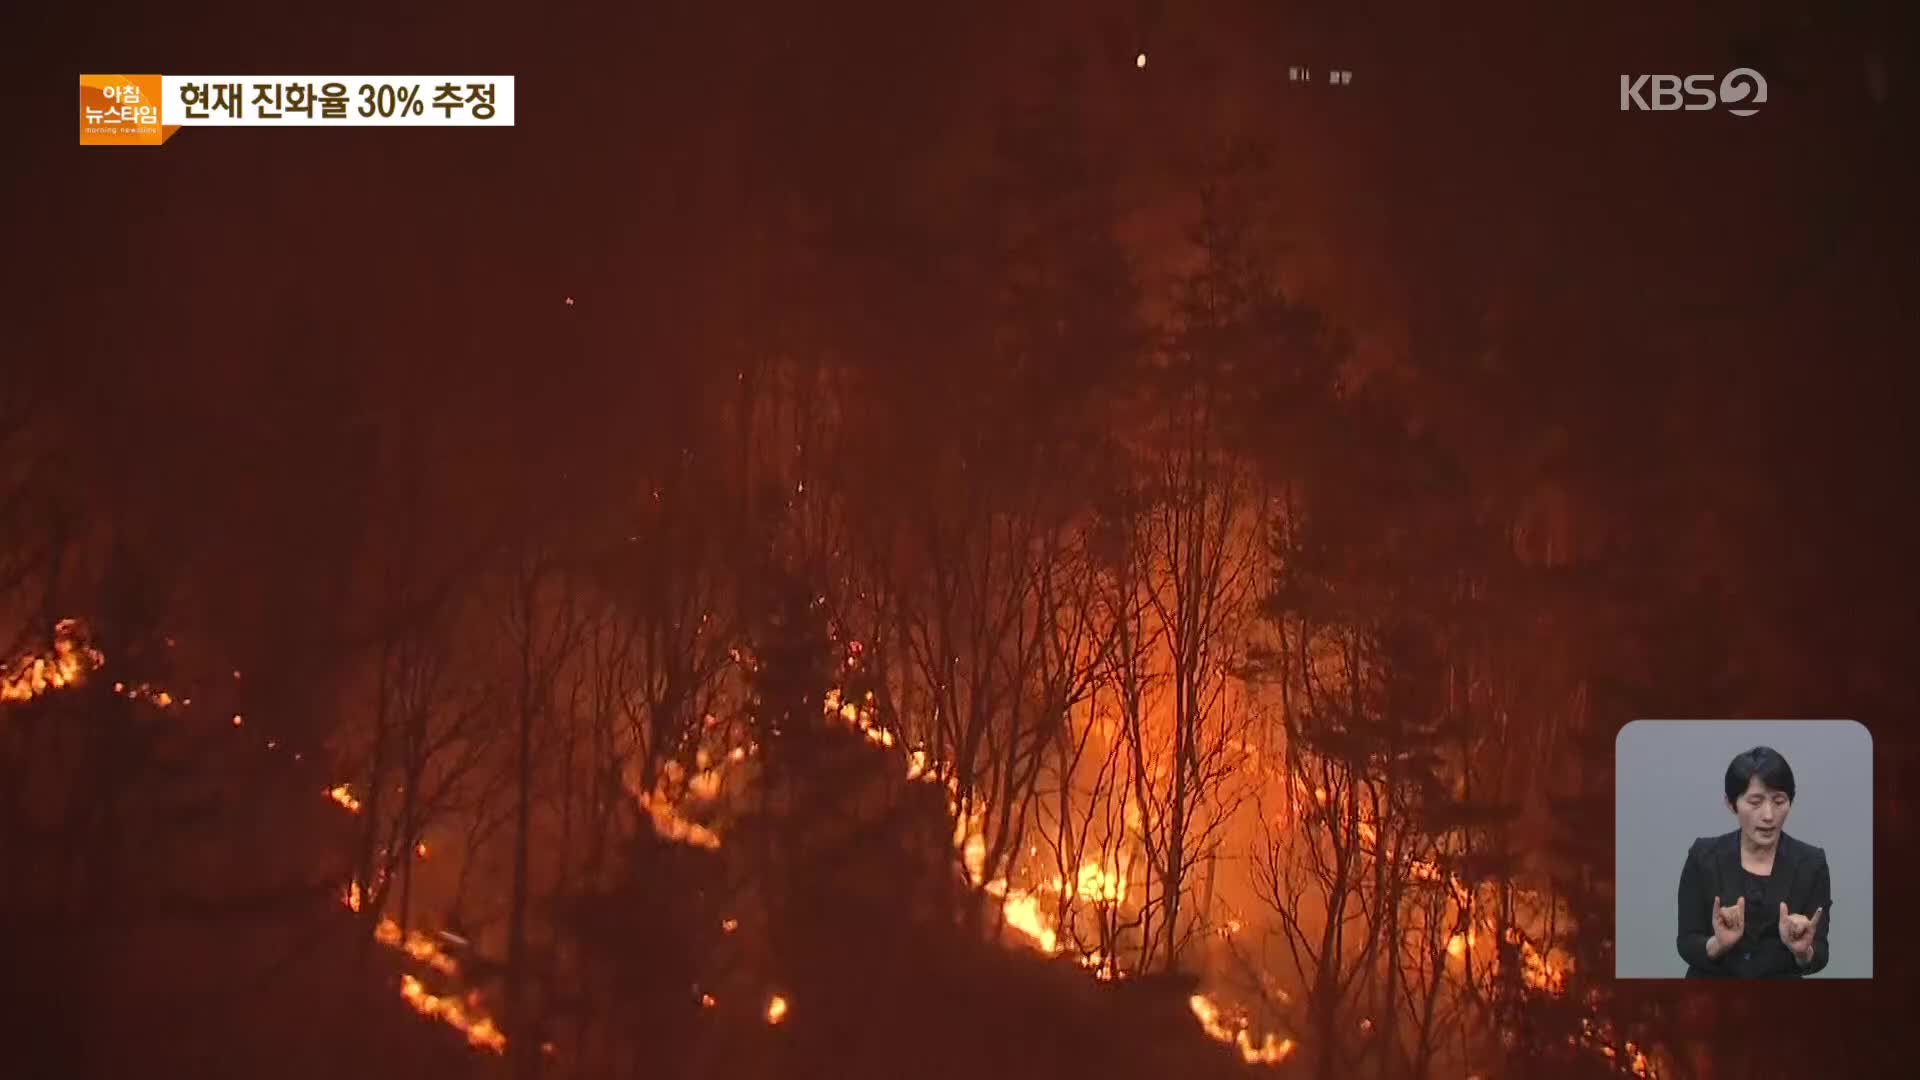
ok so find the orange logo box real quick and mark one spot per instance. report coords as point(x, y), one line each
point(122, 110)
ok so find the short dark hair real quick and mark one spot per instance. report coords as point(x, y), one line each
point(1764, 762)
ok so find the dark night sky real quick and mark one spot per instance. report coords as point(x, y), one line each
point(214, 307)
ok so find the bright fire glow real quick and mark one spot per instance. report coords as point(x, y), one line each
point(1023, 914)
point(466, 1018)
point(776, 1009)
point(415, 944)
point(667, 804)
point(69, 664)
point(1270, 1050)
point(668, 823)
point(1541, 972)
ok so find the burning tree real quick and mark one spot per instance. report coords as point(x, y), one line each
point(1179, 600)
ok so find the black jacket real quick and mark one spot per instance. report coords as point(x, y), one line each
point(1713, 869)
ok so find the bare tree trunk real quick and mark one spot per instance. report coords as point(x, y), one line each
point(521, 1052)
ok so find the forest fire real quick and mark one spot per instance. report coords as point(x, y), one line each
point(1029, 911)
point(1022, 910)
point(670, 825)
point(465, 1017)
point(1003, 549)
point(73, 658)
point(415, 944)
point(1270, 1050)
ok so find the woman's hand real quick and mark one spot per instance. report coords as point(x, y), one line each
point(1728, 924)
point(1796, 932)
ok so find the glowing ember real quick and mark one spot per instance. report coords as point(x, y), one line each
point(729, 926)
point(72, 659)
point(776, 1009)
point(420, 850)
point(237, 721)
point(707, 1002)
point(343, 795)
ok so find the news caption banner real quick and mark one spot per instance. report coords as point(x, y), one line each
point(145, 110)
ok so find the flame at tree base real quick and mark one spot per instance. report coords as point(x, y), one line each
point(1270, 1050)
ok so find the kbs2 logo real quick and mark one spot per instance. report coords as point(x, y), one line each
point(1740, 90)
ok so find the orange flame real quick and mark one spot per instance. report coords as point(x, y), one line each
point(776, 1009)
point(415, 944)
point(1021, 908)
point(1270, 1050)
point(1541, 972)
point(69, 664)
point(466, 1018)
point(1023, 914)
point(668, 823)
